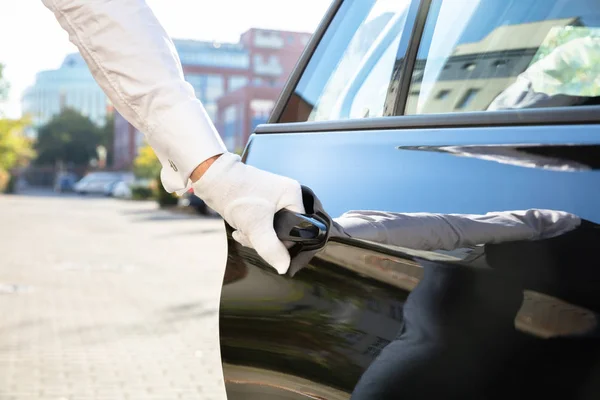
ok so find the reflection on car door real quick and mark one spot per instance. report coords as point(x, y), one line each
point(521, 317)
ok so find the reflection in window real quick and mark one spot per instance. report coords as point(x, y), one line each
point(516, 53)
point(349, 74)
point(353, 337)
point(375, 348)
point(442, 94)
point(467, 98)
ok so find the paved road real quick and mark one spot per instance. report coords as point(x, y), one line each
point(103, 299)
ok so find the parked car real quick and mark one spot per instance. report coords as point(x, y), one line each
point(65, 182)
point(125, 178)
point(431, 106)
point(124, 189)
point(96, 182)
point(189, 199)
point(121, 190)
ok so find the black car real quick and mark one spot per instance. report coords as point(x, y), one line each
point(195, 202)
point(445, 107)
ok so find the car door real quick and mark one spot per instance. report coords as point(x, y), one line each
point(452, 107)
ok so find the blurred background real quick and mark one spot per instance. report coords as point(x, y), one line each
point(109, 286)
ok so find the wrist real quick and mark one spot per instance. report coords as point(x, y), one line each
point(201, 169)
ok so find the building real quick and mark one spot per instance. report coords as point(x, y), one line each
point(71, 85)
point(238, 84)
point(273, 56)
point(242, 110)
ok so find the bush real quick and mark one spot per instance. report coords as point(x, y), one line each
point(146, 164)
point(11, 186)
point(141, 193)
point(163, 197)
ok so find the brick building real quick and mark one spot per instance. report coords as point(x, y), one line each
point(238, 84)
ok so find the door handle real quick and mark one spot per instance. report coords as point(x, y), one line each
point(308, 230)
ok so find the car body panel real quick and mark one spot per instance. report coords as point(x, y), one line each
point(328, 323)
point(375, 162)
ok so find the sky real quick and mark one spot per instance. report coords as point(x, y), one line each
point(31, 40)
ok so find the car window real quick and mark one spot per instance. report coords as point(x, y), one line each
point(485, 55)
point(349, 73)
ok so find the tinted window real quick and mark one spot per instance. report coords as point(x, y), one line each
point(481, 55)
point(349, 73)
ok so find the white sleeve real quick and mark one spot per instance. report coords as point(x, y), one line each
point(135, 62)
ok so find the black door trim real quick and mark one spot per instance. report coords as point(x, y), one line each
point(298, 70)
point(411, 57)
point(542, 116)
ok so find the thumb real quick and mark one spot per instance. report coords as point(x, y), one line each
point(241, 239)
point(269, 247)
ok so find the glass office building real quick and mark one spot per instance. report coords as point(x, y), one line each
point(72, 86)
point(213, 69)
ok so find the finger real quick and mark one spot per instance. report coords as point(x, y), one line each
point(292, 199)
point(270, 248)
point(241, 239)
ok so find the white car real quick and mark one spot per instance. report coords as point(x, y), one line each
point(122, 190)
point(96, 182)
point(124, 181)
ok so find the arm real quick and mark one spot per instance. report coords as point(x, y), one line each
point(423, 231)
point(135, 62)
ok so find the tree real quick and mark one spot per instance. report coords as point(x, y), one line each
point(146, 164)
point(107, 138)
point(15, 148)
point(70, 138)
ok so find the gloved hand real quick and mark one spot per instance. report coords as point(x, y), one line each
point(248, 198)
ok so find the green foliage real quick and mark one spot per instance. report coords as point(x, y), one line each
point(164, 198)
point(70, 138)
point(559, 36)
point(107, 138)
point(15, 149)
point(146, 164)
point(11, 185)
point(141, 193)
point(4, 179)
point(565, 64)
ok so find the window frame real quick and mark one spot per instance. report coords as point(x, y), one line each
point(401, 79)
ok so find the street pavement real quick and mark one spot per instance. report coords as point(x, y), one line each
point(104, 299)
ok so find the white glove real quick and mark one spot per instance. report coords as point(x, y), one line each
point(248, 198)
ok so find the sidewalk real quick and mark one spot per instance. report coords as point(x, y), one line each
point(104, 299)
